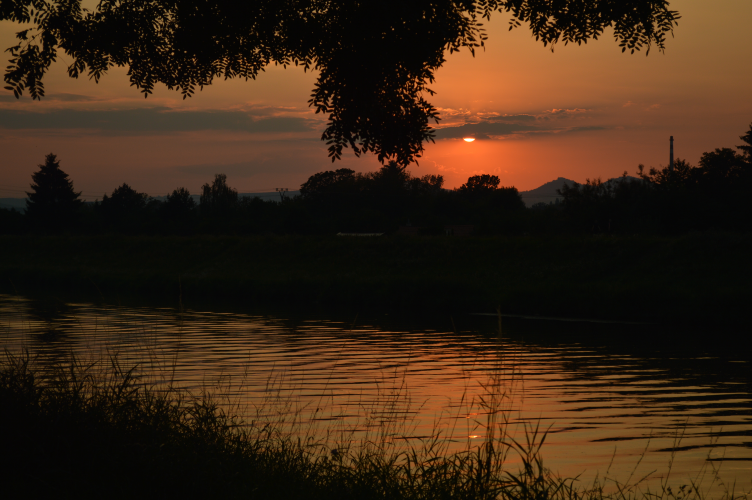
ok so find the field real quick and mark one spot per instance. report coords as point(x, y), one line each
point(685, 279)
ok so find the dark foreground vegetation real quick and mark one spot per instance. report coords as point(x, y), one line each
point(676, 199)
point(702, 276)
point(86, 430)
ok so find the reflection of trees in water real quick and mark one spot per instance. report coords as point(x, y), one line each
point(703, 355)
point(597, 354)
point(724, 369)
point(52, 313)
point(709, 377)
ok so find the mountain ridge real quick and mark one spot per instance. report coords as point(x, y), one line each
point(547, 193)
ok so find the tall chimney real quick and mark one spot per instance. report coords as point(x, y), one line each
point(671, 159)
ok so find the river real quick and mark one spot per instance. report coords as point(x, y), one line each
point(606, 393)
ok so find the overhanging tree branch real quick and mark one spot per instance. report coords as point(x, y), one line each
point(375, 58)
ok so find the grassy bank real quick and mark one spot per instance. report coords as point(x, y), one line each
point(92, 430)
point(701, 277)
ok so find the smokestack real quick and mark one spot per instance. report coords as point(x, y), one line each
point(671, 159)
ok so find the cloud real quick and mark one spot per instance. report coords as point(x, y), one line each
point(489, 126)
point(150, 120)
point(483, 130)
point(592, 128)
point(565, 112)
point(244, 169)
point(285, 156)
point(63, 97)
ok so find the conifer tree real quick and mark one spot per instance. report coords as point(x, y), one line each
point(52, 203)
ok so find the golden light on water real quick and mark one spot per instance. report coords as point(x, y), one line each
point(469, 139)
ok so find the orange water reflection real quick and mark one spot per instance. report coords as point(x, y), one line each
point(599, 404)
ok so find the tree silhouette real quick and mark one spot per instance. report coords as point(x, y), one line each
point(723, 165)
point(124, 208)
point(52, 202)
point(219, 199)
point(329, 182)
point(390, 178)
point(179, 209)
point(374, 58)
point(681, 175)
point(480, 183)
point(179, 201)
point(746, 148)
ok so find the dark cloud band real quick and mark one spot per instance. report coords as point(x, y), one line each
point(151, 120)
point(510, 125)
point(49, 97)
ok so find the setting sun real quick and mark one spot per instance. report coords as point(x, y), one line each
point(469, 139)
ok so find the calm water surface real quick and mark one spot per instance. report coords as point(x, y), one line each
point(601, 397)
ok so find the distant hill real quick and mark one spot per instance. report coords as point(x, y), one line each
point(545, 193)
point(619, 179)
point(20, 203)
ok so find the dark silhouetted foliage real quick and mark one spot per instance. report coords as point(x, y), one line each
point(218, 199)
point(11, 221)
point(124, 209)
point(713, 195)
point(485, 195)
point(746, 148)
point(480, 183)
point(329, 183)
point(374, 59)
point(179, 210)
point(52, 202)
point(710, 196)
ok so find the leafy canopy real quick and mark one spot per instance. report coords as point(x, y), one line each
point(218, 199)
point(484, 182)
point(374, 58)
point(746, 148)
point(124, 200)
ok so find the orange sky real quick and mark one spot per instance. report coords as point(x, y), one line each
point(580, 112)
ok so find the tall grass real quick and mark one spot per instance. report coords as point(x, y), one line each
point(75, 429)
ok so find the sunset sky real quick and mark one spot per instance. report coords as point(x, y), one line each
point(579, 112)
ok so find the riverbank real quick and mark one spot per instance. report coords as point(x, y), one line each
point(700, 277)
point(75, 428)
point(93, 429)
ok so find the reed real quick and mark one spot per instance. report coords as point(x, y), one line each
point(95, 429)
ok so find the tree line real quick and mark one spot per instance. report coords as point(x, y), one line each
point(711, 195)
point(333, 201)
